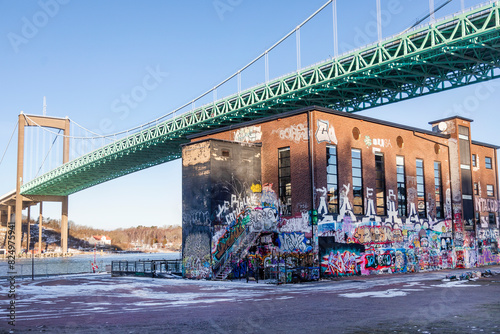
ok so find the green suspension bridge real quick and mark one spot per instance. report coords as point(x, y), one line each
point(459, 50)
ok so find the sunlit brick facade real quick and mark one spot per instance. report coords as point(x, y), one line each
point(341, 194)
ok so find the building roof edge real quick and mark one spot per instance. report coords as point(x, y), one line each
point(314, 108)
point(475, 142)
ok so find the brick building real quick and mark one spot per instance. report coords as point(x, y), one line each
point(338, 194)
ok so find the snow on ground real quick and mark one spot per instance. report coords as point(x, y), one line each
point(87, 295)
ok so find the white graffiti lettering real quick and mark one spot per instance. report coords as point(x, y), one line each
point(248, 134)
point(325, 132)
point(295, 133)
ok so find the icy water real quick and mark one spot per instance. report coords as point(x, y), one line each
point(77, 264)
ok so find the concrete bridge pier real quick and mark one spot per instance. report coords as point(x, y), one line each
point(64, 224)
point(40, 229)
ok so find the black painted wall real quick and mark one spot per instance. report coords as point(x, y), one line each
point(219, 180)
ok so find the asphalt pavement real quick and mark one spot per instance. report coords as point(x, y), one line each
point(424, 302)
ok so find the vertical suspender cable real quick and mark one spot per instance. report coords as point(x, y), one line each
point(43, 150)
point(37, 159)
point(32, 134)
point(335, 31)
point(71, 141)
point(26, 155)
point(58, 151)
point(91, 141)
point(297, 36)
point(83, 142)
point(50, 154)
point(379, 21)
point(239, 82)
point(431, 11)
point(266, 66)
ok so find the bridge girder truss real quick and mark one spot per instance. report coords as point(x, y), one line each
point(454, 52)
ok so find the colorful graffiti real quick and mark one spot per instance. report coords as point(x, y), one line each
point(231, 235)
point(299, 223)
point(339, 259)
point(377, 142)
point(389, 244)
point(196, 259)
point(377, 260)
point(294, 242)
point(377, 235)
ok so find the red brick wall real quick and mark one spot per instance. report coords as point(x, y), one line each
point(482, 175)
point(290, 132)
point(413, 147)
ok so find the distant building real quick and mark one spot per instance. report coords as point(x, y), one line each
point(157, 245)
point(99, 240)
point(338, 194)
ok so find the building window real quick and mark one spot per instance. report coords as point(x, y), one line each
point(474, 160)
point(380, 183)
point(285, 180)
point(491, 218)
point(357, 182)
point(476, 188)
point(332, 179)
point(421, 206)
point(489, 190)
point(400, 169)
point(487, 163)
point(438, 190)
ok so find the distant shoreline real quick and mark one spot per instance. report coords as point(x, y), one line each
point(3, 257)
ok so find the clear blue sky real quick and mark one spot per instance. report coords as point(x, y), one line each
point(85, 55)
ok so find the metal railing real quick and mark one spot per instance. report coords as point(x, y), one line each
point(149, 268)
point(28, 270)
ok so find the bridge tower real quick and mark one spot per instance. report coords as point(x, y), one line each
point(49, 122)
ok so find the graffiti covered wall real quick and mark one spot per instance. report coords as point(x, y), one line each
point(237, 207)
point(221, 187)
point(196, 233)
point(363, 245)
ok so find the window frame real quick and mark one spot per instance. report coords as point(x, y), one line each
point(358, 209)
point(285, 190)
point(380, 205)
point(438, 189)
point(401, 188)
point(492, 219)
point(486, 163)
point(421, 199)
point(490, 192)
point(332, 197)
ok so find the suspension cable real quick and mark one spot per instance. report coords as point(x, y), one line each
point(132, 130)
point(296, 30)
point(50, 149)
point(12, 135)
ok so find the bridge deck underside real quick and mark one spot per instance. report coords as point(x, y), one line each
point(451, 53)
